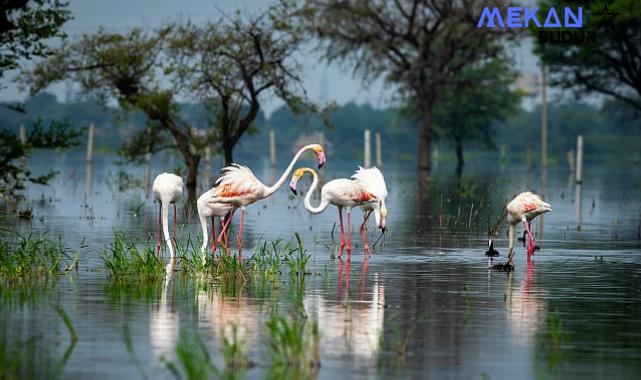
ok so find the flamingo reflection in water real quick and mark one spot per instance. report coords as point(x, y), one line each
point(526, 308)
point(164, 326)
point(346, 325)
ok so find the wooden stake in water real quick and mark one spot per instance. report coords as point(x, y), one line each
point(368, 151)
point(379, 151)
point(272, 147)
point(207, 166)
point(544, 117)
point(22, 134)
point(90, 143)
point(579, 159)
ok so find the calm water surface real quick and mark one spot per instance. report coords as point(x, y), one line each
point(423, 305)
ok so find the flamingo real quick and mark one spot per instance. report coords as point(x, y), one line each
point(238, 186)
point(523, 208)
point(167, 190)
point(366, 189)
point(212, 210)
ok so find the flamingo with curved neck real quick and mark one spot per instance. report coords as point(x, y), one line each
point(238, 186)
point(344, 193)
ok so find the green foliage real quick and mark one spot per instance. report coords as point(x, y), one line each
point(234, 348)
point(13, 174)
point(194, 361)
point(25, 26)
point(293, 344)
point(604, 66)
point(127, 263)
point(30, 256)
point(482, 94)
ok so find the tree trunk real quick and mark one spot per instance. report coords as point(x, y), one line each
point(192, 162)
point(459, 157)
point(425, 142)
point(228, 151)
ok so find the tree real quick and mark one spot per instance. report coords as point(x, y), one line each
point(611, 65)
point(13, 175)
point(466, 112)
point(149, 71)
point(417, 45)
point(232, 64)
point(24, 27)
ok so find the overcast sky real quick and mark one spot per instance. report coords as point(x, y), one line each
point(336, 82)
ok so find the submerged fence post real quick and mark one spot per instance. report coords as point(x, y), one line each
point(272, 147)
point(544, 118)
point(207, 167)
point(579, 159)
point(90, 143)
point(368, 152)
point(379, 151)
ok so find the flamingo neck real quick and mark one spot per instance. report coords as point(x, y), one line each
point(308, 197)
point(165, 227)
point(203, 225)
point(272, 189)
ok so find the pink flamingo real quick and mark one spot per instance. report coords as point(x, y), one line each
point(523, 208)
point(366, 189)
point(212, 210)
point(167, 189)
point(238, 186)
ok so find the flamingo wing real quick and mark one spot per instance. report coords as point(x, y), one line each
point(371, 180)
point(235, 181)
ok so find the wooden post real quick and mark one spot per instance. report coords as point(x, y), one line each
point(147, 178)
point(368, 153)
point(207, 167)
point(579, 159)
point(379, 152)
point(22, 134)
point(544, 118)
point(570, 158)
point(272, 147)
point(90, 143)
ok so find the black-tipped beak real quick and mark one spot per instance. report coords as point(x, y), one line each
point(294, 190)
point(320, 165)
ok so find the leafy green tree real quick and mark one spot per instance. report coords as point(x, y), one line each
point(417, 46)
point(24, 27)
point(611, 65)
point(227, 65)
point(481, 95)
point(13, 174)
point(232, 64)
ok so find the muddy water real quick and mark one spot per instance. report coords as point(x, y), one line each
point(423, 305)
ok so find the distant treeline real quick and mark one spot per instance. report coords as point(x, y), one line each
point(610, 130)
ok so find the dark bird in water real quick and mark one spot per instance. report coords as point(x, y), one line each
point(491, 252)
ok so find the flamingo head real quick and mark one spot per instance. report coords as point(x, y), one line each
point(294, 182)
point(320, 154)
point(383, 222)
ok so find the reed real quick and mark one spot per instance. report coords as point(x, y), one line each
point(125, 261)
point(30, 256)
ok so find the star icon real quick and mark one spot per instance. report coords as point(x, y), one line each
point(606, 17)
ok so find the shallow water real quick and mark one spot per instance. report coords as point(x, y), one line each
point(423, 305)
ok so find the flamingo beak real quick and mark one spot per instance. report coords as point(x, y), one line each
point(321, 159)
point(292, 185)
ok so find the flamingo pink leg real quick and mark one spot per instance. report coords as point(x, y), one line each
point(363, 233)
point(349, 232)
point(530, 244)
point(213, 236)
point(240, 235)
point(340, 217)
point(223, 232)
point(158, 231)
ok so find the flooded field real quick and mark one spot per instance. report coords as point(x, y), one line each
point(423, 305)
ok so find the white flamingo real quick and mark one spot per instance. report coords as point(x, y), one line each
point(239, 186)
point(523, 208)
point(167, 189)
point(212, 210)
point(366, 189)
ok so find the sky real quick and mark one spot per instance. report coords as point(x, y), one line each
point(323, 82)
